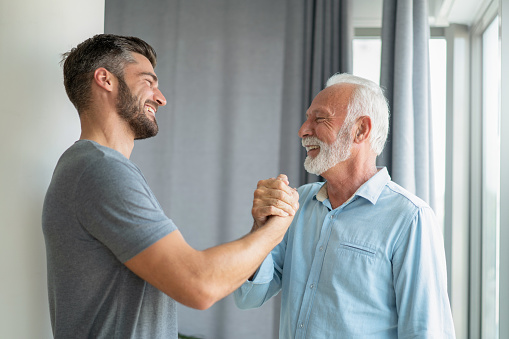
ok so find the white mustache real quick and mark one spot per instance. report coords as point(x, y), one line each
point(311, 141)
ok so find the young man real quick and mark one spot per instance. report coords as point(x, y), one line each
point(117, 264)
point(363, 257)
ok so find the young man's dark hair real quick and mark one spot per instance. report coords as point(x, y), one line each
point(110, 51)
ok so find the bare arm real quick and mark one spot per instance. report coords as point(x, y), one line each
point(200, 278)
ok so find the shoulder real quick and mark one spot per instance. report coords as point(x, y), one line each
point(98, 169)
point(413, 214)
point(404, 210)
point(85, 152)
point(403, 197)
point(104, 162)
point(90, 163)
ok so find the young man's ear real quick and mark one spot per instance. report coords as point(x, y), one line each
point(104, 79)
point(363, 129)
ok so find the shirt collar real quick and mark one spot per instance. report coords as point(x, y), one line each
point(370, 190)
point(322, 194)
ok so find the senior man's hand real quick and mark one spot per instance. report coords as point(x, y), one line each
point(274, 197)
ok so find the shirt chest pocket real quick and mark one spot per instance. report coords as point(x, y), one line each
point(352, 252)
point(351, 264)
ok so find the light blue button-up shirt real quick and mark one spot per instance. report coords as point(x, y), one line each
point(372, 268)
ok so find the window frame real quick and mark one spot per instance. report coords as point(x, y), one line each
point(503, 11)
point(492, 10)
point(457, 218)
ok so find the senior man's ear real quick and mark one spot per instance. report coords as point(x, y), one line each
point(363, 129)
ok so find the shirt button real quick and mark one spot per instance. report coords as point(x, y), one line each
point(321, 248)
point(330, 217)
point(312, 286)
point(301, 325)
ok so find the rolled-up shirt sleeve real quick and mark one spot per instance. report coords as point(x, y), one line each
point(266, 282)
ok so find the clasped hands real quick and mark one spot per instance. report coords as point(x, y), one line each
point(274, 197)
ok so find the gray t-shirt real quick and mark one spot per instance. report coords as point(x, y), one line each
point(98, 213)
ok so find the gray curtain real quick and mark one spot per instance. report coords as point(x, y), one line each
point(327, 50)
point(405, 78)
point(323, 47)
point(235, 74)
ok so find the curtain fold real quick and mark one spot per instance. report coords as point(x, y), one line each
point(235, 74)
point(318, 44)
point(408, 154)
point(327, 50)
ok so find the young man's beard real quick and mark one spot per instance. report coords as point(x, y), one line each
point(329, 155)
point(131, 110)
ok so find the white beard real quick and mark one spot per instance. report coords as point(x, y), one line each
point(329, 155)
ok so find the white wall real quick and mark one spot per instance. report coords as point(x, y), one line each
point(37, 123)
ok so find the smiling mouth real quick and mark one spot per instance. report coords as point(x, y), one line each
point(310, 148)
point(151, 110)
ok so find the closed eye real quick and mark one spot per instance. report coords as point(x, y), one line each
point(149, 77)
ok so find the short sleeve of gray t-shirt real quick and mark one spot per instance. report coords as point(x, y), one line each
point(98, 213)
point(116, 206)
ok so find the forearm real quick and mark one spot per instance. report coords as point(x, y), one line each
point(228, 266)
point(200, 278)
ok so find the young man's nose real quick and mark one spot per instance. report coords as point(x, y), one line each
point(159, 97)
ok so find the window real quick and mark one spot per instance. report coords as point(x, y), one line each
point(366, 58)
point(438, 78)
point(490, 181)
point(366, 63)
point(485, 167)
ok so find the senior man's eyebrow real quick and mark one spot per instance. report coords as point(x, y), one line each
point(318, 113)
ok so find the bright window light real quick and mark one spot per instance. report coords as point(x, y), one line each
point(490, 181)
point(366, 63)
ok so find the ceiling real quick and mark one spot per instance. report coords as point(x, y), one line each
point(368, 13)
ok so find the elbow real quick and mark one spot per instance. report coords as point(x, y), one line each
point(201, 297)
point(203, 305)
point(198, 302)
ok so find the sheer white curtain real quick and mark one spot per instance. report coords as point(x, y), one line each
point(405, 78)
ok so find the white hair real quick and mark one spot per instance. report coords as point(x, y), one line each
point(367, 99)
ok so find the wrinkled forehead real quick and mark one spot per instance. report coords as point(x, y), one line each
point(339, 92)
point(333, 99)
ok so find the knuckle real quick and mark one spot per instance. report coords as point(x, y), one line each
point(280, 184)
point(281, 196)
point(258, 192)
point(256, 202)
